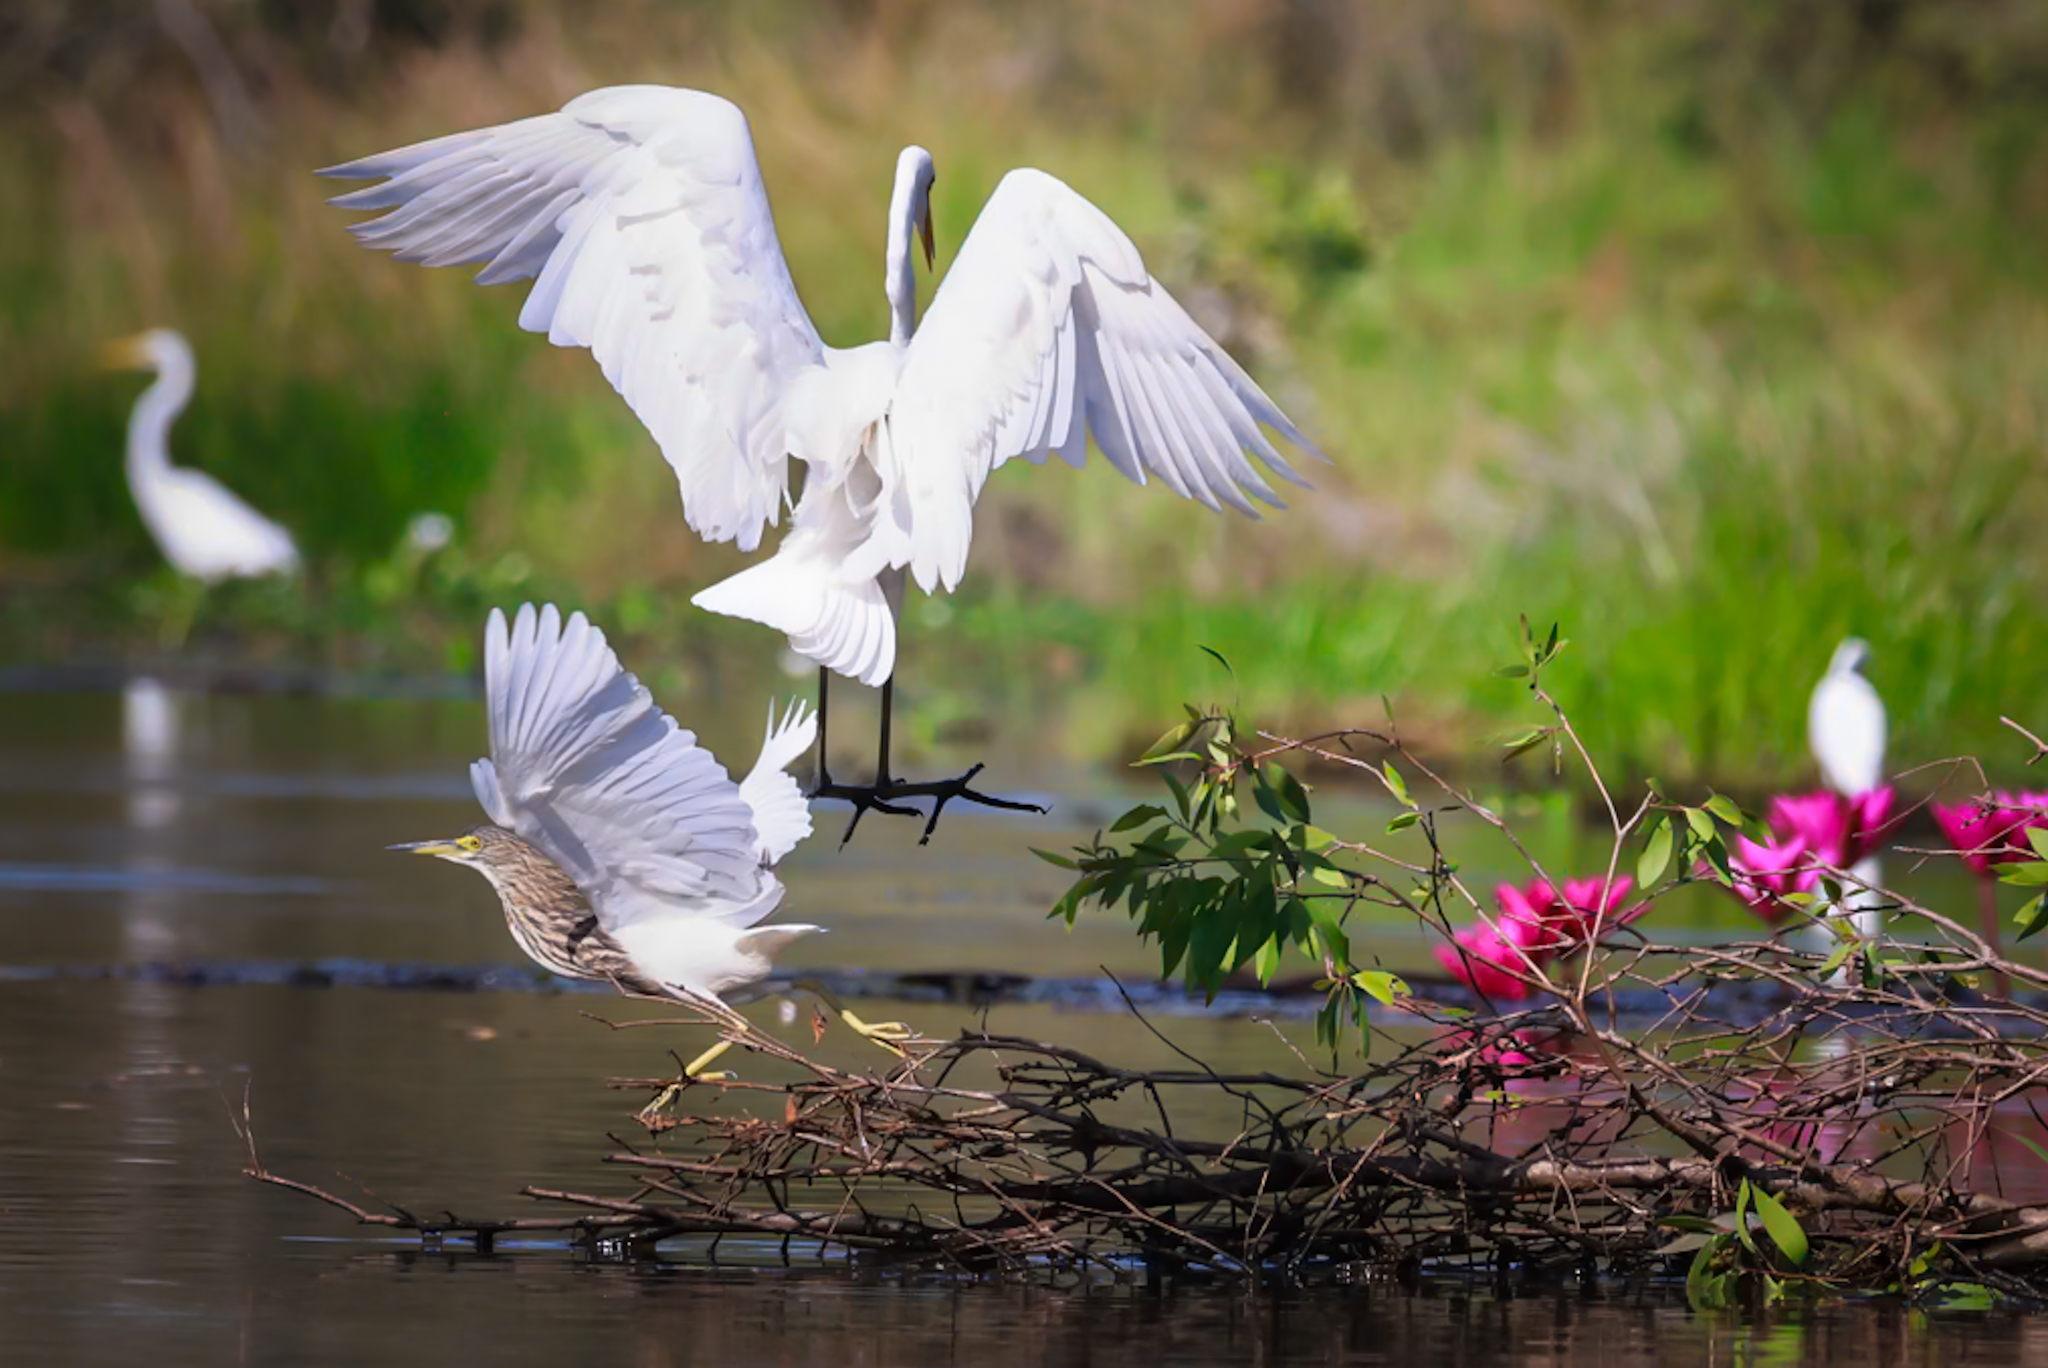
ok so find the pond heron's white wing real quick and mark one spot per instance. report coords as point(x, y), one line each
point(641, 211)
point(1048, 331)
point(782, 815)
point(585, 766)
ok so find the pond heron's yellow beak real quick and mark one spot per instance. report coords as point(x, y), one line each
point(447, 850)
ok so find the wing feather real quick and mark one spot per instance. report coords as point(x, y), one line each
point(1048, 330)
point(585, 766)
point(782, 814)
point(640, 213)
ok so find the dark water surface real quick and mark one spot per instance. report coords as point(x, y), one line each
point(227, 829)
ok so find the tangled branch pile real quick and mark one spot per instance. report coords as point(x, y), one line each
point(1843, 1140)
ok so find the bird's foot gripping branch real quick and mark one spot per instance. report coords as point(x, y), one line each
point(1822, 1110)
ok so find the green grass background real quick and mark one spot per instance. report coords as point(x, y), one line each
point(1713, 329)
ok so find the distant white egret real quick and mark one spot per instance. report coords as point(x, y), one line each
point(1845, 726)
point(620, 848)
point(202, 528)
point(642, 213)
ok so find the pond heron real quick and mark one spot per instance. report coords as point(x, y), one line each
point(620, 848)
point(641, 212)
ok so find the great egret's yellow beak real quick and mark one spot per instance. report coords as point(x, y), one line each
point(126, 354)
point(924, 234)
point(446, 850)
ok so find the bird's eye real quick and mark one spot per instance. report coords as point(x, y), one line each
point(470, 843)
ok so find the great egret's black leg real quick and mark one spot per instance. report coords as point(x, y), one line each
point(885, 793)
point(862, 796)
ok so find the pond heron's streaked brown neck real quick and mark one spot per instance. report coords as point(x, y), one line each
point(548, 915)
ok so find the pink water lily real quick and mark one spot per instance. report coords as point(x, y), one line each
point(1492, 956)
point(1809, 831)
point(1837, 831)
point(1994, 836)
point(1766, 872)
point(1534, 926)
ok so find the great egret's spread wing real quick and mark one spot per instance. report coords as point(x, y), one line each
point(585, 766)
point(641, 210)
point(782, 815)
point(1047, 331)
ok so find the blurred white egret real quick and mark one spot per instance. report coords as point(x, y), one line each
point(1845, 723)
point(203, 529)
point(1845, 727)
point(642, 213)
point(619, 847)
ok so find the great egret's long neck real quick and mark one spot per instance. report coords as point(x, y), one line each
point(149, 426)
point(901, 282)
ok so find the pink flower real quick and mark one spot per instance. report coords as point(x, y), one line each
point(1492, 955)
point(1568, 920)
point(1587, 901)
point(1838, 831)
point(1994, 836)
point(1764, 874)
point(1535, 925)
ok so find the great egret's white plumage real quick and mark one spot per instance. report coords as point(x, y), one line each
point(1845, 722)
point(641, 214)
point(203, 529)
point(1845, 727)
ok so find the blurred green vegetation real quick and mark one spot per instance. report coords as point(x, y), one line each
point(1715, 329)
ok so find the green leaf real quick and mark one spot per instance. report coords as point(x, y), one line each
point(1512, 672)
point(1743, 1195)
point(1266, 961)
point(1656, 855)
point(1781, 1225)
point(1050, 858)
point(1383, 986)
point(1699, 1224)
point(1180, 792)
point(1726, 809)
point(1706, 1290)
point(1331, 875)
point(1166, 759)
point(1293, 796)
point(2031, 917)
point(1172, 739)
point(1397, 786)
point(1315, 838)
point(2037, 837)
point(1402, 821)
point(1268, 800)
point(2030, 875)
point(1836, 957)
point(1527, 741)
point(1702, 825)
point(1137, 816)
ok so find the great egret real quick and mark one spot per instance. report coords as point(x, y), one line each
point(1845, 727)
point(619, 847)
point(642, 213)
point(203, 529)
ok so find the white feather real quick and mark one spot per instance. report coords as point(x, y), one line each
point(1845, 723)
point(641, 212)
point(201, 526)
point(585, 766)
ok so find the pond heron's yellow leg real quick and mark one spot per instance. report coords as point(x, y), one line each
point(882, 1033)
point(694, 1072)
